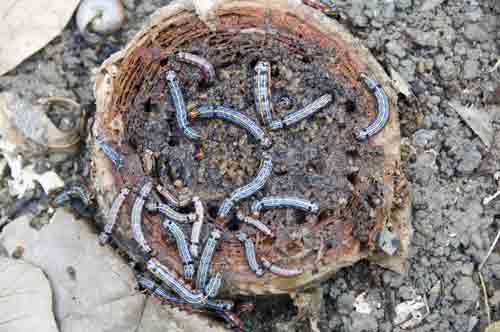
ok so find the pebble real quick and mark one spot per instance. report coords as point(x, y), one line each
point(424, 38)
point(363, 323)
point(424, 138)
point(466, 290)
point(471, 160)
point(406, 293)
point(345, 303)
point(471, 69)
point(395, 48)
point(475, 32)
point(404, 4)
point(407, 69)
point(430, 4)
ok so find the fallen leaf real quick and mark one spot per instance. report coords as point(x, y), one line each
point(29, 25)
point(478, 120)
point(400, 83)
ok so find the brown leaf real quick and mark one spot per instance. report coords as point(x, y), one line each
point(479, 120)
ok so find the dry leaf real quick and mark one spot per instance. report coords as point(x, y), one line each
point(29, 25)
point(478, 120)
point(400, 83)
point(493, 327)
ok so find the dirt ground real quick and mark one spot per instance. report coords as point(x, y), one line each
point(445, 53)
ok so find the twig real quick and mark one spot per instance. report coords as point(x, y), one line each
point(485, 296)
point(495, 67)
point(489, 251)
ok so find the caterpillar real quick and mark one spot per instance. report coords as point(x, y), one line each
point(257, 224)
point(112, 155)
point(197, 226)
point(206, 258)
point(297, 116)
point(239, 119)
point(383, 109)
point(113, 216)
point(74, 191)
point(171, 199)
point(250, 253)
point(214, 285)
point(206, 67)
point(248, 190)
point(170, 213)
point(161, 272)
point(180, 107)
point(162, 294)
point(136, 216)
point(278, 202)
point(281, 271)
point(262, 92)
point(182, 247)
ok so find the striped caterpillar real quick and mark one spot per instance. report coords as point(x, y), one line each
point(182, 247)
point(136, 216)
point(74, 191)
point(302, 114)
point(250, 253)
point(180, 107)
point(162, 293)
point(257, 224)
point(277, 202)
point(197, 226)
point(239, 119)
point(113, 216)
point(383, 109)
point(206, 67)
point(112, 155)
point(206, 258)
point(262, 92)
point(248, 190)
point(281, 271)
point(171, 199)
point(184, 291)
point(170, 213)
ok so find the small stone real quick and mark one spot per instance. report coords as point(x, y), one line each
point(430, 4)
point(447, 69)
point(395, 48)
point(471, 69)
point(468, 269)
point(345, 303)
point(466, 290)
point(495, 299)
point(471, 160)
point(475, 32)
point(423, 138)
point(424, 38)
point(403, 4)
point(363, 323)
point(407, 69)
point(406, 293)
